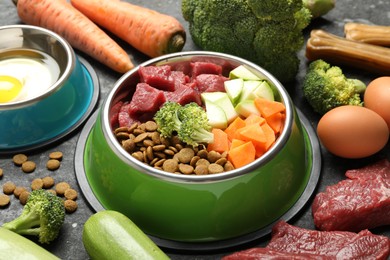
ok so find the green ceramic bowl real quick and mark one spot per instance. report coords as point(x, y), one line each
point(198, 209)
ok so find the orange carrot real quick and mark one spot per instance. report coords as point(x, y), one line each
point(236, 142)
point(220, 143)
point(276, 121)
point(254, 119)
point(62, 18)
point(233, 127)
point(242, 155)
point(268, 107)
point(148, 31)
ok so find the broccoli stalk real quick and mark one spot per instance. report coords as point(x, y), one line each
point(42, 216)
point(319, 7)
point(326, 87)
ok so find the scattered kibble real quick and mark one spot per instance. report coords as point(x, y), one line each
point(56, 155)
point(48, 182)
point(37, 184)
point(52, 192)
point(53, 164)
point(61, 187)
point(1, 173)
point(28, 166)
point(4, 200)
point(18, 190)
point(19, 159)
point(70, 194)
point(9, 187)
point(23, 197)
point(70, 206)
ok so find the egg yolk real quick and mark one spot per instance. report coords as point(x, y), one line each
point(10, 88)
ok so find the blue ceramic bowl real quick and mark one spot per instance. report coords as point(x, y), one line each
point(32, 122)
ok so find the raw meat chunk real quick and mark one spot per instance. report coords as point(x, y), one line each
point(210, 83)
point(201, 67)
point(360, 202)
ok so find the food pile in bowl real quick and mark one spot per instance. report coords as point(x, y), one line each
point(197, 120)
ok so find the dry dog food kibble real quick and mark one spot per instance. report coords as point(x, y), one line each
point(70, 206)
point(9, 187)
point(70, 194)
point(144, 143)
point(18, 190)
point(23, 197)
point(1, 173)
point(4, 200)
point(48, 182)
point(19, 159)
point(61, 187)
point(56, 155)
point(28, 166)
point(37, 184)
point(53, 164)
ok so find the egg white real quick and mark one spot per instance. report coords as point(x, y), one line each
point(36, 77)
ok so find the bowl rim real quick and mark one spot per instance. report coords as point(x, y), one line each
point(70, 66)
point(131, 161)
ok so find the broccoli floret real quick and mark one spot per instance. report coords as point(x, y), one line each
point(42, 216)
point(326, 87)
point(194, 128)
point(267, 32)
point(167, 118)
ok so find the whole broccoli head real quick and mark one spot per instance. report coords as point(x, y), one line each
point(326, 87)
point(42, 216)
point(267, 32)
point(167, 118)
point(195, 128)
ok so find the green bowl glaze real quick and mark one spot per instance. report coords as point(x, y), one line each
point(198, 208)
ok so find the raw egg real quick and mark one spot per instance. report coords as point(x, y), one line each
point(352, 132)
point(23, 78)
point(377, 97)
point(10, 88)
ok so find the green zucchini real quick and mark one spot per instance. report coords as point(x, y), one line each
point(15, 246)
point(109, 234)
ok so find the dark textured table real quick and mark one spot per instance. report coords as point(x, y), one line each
point(69, 244)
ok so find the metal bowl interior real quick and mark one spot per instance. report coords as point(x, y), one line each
point(31, 122)
point(198, 208)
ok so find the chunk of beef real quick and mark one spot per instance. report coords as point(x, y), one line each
point(145, 102)
point(157, 77)
point(362, 201)
point(338, 244)
point(124, 119)
point(210, 83)
point(202, 67)
point(183, 94)
point(114, 113)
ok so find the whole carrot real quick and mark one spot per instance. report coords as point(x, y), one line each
point(148, 31)
point(62, 18)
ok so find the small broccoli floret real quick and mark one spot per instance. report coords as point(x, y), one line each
point(194, 128)
point(42, 216)
point(167, 119)
point(326, 87)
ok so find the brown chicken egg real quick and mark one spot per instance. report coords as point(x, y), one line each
point(352, 132)
point(377, 97)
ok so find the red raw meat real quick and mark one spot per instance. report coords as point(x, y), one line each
point(124, 118)
point(201, 67)
point(210, 83)
point(145, 102)
point(300, 243)
point(114, 113)
point(360, 202)
point(157, 77)
point(184, 93)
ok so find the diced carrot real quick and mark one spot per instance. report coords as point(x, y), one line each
point(233, 127)
point(236, 142)
point(270, 135)
point(242, 155)
point(221, 141)
point(252, 133)
point(268, 107)
point(276, 121)
point(254, 119)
